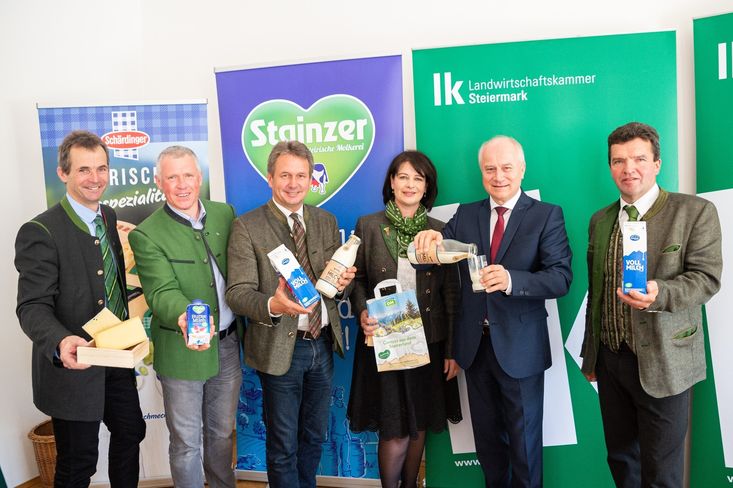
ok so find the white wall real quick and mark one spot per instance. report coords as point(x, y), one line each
point(48, 51)
point(91, 51)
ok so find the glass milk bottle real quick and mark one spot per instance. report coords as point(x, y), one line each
point(448, 252)
point(343, 258)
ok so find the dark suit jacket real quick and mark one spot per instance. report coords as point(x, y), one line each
point(684, 257)
point(60, 287)
point(536, 253)
point(437, 286)
point(268, 346)
point(175, 268)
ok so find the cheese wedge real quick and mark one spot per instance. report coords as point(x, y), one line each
point(121, 336)
point(102, 321)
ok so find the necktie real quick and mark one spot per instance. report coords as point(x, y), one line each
point(301, 253)
point(498, 232)
point(111, 285)
point(631, 212)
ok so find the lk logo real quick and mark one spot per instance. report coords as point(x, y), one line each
point(451, 90)
point(338, 129)
point(723, 60)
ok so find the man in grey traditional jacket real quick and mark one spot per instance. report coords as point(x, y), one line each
point(646, 349)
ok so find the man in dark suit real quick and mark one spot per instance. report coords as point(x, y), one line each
point(647, 349)
point(289, 346)
point(501, 339)
point(71, 266)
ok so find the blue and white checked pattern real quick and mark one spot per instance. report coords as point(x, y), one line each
point(123, 121)
point(163, 123)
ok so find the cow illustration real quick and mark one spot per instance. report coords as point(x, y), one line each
point(319, 178)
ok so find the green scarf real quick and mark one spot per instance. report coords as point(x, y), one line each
point(406, 227)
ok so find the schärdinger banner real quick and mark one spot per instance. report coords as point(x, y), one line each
point(560, 98)
point(711, 452)
point(135, 134)
point(349, 113)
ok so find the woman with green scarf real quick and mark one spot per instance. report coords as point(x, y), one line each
point(402, 405)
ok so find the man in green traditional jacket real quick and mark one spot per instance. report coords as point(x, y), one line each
point(181, 252)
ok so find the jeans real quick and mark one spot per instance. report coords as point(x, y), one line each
point(295, 411)
point(213, 403)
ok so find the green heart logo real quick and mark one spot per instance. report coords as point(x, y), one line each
point(338, 129)
point(199, 309)
point(384, 354)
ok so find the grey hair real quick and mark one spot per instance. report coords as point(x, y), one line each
point(176, 152)
point(517, 146)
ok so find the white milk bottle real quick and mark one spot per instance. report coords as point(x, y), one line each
point(343, 258)
point(449, 251)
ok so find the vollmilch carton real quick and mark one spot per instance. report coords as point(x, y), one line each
point(300, 285)
point(634, 258)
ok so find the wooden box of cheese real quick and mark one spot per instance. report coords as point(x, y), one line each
point(125, 343)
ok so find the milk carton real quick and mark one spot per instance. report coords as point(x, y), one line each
point(634, 259)
point(300, 285)
point(198, 326)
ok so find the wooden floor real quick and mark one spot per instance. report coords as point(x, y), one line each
point(36, 482)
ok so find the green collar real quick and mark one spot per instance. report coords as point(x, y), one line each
point(73, 215)
point(657, 206)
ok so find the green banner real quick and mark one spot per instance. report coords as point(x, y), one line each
point(560, 98)
point(711, 458)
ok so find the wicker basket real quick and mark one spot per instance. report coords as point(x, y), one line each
point(44, 447)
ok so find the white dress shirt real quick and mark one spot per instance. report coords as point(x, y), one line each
point(642, 204)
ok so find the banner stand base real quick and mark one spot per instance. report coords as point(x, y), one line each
point(320, 480)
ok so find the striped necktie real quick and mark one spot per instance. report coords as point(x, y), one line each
point(111, 284)
point(301, 254)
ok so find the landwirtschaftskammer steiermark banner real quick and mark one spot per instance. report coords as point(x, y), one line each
point(560, 98)
point(711, 453)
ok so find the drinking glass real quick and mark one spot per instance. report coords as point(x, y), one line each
point(475, 265)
